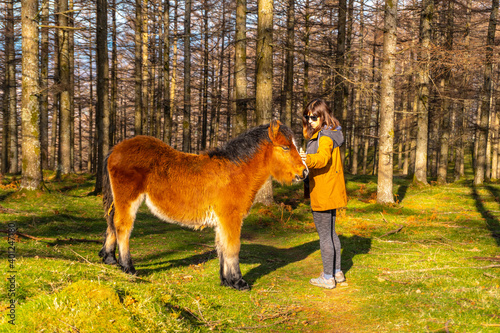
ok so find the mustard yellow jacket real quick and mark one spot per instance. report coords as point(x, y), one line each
point(326, 174)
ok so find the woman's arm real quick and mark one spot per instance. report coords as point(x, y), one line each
point(323, 156)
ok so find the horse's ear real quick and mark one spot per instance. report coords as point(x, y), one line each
point(273, 129)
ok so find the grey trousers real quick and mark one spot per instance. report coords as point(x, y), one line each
point(329, 241)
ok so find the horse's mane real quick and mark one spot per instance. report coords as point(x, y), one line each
point(244, 146)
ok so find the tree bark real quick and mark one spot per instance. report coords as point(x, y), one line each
point(44, 86)
point(420, 175)
point(64, 88)
point(146, 105)
point(138, 68)
point(446, 103)
point(287, 116)
point(240, 69)
point(186, 122)
point(102, 108)
point(340, 88)
point(167, 112)
point(264, 80)
point(10, 56)
point(113, 128)
point(204, 116)
point(486, 98)
point(30, 107)
point(386, 132)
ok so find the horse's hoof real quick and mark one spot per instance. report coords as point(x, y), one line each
point(129, 270)
point(110, 260)
point(240, 284)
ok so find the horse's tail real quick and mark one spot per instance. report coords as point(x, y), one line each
point(107, 195)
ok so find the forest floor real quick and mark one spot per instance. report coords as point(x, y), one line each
point(429, 263)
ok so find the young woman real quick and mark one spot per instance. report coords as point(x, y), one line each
point(326, 185)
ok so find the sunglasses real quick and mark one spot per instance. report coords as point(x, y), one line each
point(313, 118)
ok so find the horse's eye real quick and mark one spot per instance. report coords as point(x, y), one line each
point(285, 148)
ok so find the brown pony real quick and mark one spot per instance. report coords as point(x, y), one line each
point(215, 189)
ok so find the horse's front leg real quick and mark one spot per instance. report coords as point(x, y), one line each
point(227, 240)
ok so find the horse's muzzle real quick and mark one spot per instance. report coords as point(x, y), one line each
point(304, 175)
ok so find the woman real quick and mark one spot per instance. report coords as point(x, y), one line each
point(326, 185)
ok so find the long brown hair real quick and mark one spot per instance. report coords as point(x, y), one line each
point(318, 107)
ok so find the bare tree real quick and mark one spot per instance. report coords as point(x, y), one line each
point(420, 175)
point(386, 132)
point(264, 80)
point(240, 68)
point(102, 108)
point(486, 97)
point(30, 107)
point(64, 89)
point(186, 123)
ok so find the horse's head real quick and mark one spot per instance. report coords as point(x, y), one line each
point(286, 164)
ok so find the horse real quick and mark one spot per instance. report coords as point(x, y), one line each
point(216, 188)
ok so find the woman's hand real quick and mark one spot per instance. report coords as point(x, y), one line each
point(303, 154)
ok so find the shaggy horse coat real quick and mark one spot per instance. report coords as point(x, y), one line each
point(214, 189)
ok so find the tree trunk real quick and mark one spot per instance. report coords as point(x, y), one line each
point(102, 108)
point(64, 95)
point(420, 176)
point(146, 105)
point(44, 85)
point(386, 132)
point(446, 102)
point(264, 80)
point(10, 56)
point(167, 112)
point(240, 68)
point(486, 98)
point(307, 32)
point(287, 116)
point(173, 86)
point(113, 128)
point(186, 122)
point(30, 107)
point(205, 78)
point(138, 68)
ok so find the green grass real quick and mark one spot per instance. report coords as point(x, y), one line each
point(440, 272)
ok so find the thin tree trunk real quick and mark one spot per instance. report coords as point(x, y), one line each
point(113, 129)
point(205, 78)
point(44, 85)
point(30, 107)
point(186, 122)
point(173, 86)
point(486, 98)
point(240, 68)
point(167, 112)
point(64, 95)
point(138, 68)
point(145, 69)
point(420, 176)
point(287, 116)
point(307, 32)
point(102, 108)
point(386, 132)
point(446, 103)
point(91, 138)
point(10, 55)
point(264, 80)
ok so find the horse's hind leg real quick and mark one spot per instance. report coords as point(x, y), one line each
point(124, 223)
point(228, 249)
point(107, 252)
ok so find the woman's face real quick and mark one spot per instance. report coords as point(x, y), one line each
point(315, 124)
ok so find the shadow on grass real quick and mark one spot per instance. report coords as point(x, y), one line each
point(268, 258)
point(491, 221)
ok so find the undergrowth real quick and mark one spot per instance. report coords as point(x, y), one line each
point(430, 263)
